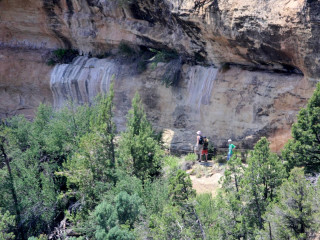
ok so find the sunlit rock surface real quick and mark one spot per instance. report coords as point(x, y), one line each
point(24, 81)
point(274, 34)
point(272, 48)
point(237, 104)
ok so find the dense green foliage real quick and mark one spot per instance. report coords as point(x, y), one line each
point(172, 74)
point(67, 170)
point(247, 191)
point(109, 218)
point(7, 222)
point(304, 148)
point(60, 56)
point(296, 214)
point(139, 148)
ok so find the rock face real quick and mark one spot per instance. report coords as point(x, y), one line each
point(248, 66)
point(24, 81)
point(238, 104)
point(274, 34)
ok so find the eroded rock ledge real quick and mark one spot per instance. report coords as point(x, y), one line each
point(274, 34)
point(265, 55)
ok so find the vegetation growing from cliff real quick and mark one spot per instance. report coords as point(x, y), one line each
point(172, 74)
point(66, 173)
point(61, 56)
point(153, 57)
point(126, 50)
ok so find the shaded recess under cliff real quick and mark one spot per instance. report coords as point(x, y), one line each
point(272, 35)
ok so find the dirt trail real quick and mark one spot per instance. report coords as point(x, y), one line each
point(205, 177)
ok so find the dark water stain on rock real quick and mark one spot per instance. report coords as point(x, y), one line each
point(150, 98)
point(181, 121)
point(70, 11)
point(54, 23)
point(313, 10)
point(75, 84)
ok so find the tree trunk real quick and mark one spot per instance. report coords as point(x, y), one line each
point(200, 225)
point(13, 190)
point(270, 233)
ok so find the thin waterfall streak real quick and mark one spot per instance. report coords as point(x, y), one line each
point(81, 80)
point(211, 76)
point(200, 85)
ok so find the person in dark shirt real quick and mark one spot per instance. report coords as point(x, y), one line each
point(199, 146)
point(205, 148)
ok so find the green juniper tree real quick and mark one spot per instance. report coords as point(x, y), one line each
point(8, 190)
point(263, 175)
point(7, 225)
point(31, 152)
point(116, 220)
point(90, 171)
point(230, 223)
point(246, 192)
point(29, 190)
point(102, 121)
point(304, 148)
point(178, 219)
point(139, 148)
point(233, 176)
point(206, 210)
point(296, 214)
point(180, 188)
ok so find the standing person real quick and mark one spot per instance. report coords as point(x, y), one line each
point(205, 148)
point(199, 146)
point(231, 147)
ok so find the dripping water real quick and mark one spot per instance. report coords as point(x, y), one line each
point(200, 84)
point(81, 80)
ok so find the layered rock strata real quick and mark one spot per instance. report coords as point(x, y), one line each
point(238, 104)
point(24, 81)
point(276, 34)
point(267, 52)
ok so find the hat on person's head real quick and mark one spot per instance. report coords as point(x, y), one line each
point(229, 140)
point(199, 132)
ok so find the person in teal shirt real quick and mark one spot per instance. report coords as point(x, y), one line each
point(231, 147)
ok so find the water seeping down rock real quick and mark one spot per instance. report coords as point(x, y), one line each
point(247, 66)
point(81, 80)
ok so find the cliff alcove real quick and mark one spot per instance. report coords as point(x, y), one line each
point(271, 48)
